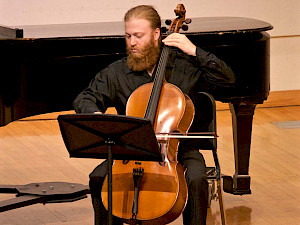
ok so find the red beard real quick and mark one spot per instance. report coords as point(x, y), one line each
point(145, 60)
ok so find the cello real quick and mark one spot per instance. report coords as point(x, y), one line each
point(146, 192)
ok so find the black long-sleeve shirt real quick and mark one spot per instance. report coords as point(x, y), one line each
point(112, 86)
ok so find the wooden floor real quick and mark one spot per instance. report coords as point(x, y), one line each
point(32, 150)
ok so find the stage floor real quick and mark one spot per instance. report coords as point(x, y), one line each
point(32, 150)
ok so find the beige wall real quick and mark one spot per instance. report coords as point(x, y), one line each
point(282, 14)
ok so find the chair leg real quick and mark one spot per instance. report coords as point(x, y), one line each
point(211, 192)
point(221, 201)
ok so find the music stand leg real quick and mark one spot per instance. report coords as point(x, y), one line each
point(109, 183)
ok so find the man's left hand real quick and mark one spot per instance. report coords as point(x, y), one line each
point(182, 42)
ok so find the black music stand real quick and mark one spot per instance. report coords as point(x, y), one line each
point(106, 136)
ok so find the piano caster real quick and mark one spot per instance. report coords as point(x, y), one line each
point(237, 185)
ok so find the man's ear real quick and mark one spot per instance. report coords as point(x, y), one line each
point(156, 34)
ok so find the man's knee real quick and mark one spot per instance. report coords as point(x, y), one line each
point(197, 182)
point(97, 177)
point(100, 171)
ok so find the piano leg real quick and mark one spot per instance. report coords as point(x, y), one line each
point(242, 117)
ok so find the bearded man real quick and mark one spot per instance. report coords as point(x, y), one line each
point(191, 69)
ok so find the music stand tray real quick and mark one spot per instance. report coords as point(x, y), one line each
point(106, 136)
point(87, 136)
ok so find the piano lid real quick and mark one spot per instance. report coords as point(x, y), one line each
point(205, 25)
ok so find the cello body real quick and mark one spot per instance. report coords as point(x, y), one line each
point(163, 191)
point(162, 194)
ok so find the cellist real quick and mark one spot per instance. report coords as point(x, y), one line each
point(191, 69)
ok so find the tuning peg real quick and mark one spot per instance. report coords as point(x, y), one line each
point(185, 27)
point(164, 30)
point(187, 21)
point(168, 22)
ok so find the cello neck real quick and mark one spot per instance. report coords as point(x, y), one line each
point(157, 84)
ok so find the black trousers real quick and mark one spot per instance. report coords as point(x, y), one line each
point(195, 211)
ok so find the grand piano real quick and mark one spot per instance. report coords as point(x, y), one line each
point(44, 67)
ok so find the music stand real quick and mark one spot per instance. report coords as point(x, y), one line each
point(105, 136)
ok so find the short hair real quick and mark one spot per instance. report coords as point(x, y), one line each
point(146, 12)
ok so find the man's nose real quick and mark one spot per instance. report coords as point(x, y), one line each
point(133, 41)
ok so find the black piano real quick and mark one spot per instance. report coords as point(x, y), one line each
point(43, 68)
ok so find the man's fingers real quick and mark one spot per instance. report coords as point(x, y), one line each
point(182, 42)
